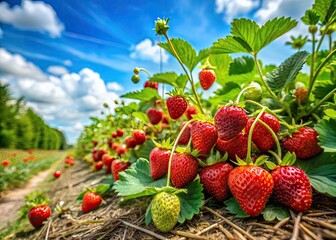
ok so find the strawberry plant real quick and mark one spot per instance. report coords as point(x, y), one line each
point(170, 148)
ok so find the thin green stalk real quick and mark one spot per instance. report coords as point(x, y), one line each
point(313, 59)
point(186, 72)
point(174, 147)
point(273, 135)
point(320, 42)
point(318, 71)
point(262, 78)
point(321, 102)
point(149, 75)
point(278, 159)
point(241, 93)
point(270, 111)
point(332, 73)
point(249, 139)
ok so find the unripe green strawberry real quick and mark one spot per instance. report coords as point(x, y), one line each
point(165, 210)
point(254, 92)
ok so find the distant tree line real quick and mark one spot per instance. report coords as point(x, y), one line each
point(22, 128)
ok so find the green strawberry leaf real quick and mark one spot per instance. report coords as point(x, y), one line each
point(182, 81)
point(324, 8)
point(184, 50)
point(80, 196)
point(167, 78)
point(141, 116)
point(221, 62)
point(234, 208)
point(225, 94)
point(241, 65)
point(145, 94)
point(286, 72)
point(330, 113)
point(311, 17)
point(148, 216)
point(326, 129)
point(321, 171)
point(102, 188)
point(322, 88)
point(191, 202)
point(248, 37)
point(145, 149)
point(137, 181)
point(272, 212)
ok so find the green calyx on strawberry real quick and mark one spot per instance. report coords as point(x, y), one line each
point(92, 197)
point(159, 159)
point(230, 121)
point(207, 75)
point(165, 208)
point(39, 209)
point(176, 103)
point(161, 26)
point(303, 142)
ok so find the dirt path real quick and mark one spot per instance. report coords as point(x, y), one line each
point(12, 200)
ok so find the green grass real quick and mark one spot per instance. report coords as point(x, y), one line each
point(20, 171)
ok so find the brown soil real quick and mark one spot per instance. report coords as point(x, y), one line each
point(110, 221)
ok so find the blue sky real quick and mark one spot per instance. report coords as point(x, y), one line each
point(68, 57)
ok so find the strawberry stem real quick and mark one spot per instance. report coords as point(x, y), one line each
point(241, 93)
point(186, 72)
point(277, 157)
point(144, 70)
point(273, 135)
point(174, 147)
point(249, 141)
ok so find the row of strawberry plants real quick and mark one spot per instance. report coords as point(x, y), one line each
point(241, 141)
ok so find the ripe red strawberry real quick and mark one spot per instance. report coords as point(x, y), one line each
point(304, 143)
point(130, 142)
point(176, 106)
point(90, 201)
point(115, 146)
point(191, 110)
point(98, 165)
point(230, 121)
point(118, 166)
point(120, 132)
point(37, 215)
point(183, 169)
point(300, 95)
point(94, 142)
point(261, 137)
point(215, 180)
point(207, 77)
point(114, 135)
point(154, 115)
point(57, 174)
point(159, 160)
point(109, 142)
point(292, 187)
point(5, 163)
point(154, 85)
point(139, 136)
point(97, 154)
point(203, 136)
point(107, 160)
point(251, 186)
point(185, 136)
point(237, 146)
point(165, 119)
point(122, 149)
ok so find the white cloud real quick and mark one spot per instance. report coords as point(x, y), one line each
point(17, 65)
point(57, 70)
point(288, 8)
point(32, 15)
point(235, 8)
point(147, 50)
point(67, 63)
point(65, 101)
point(114, 86)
